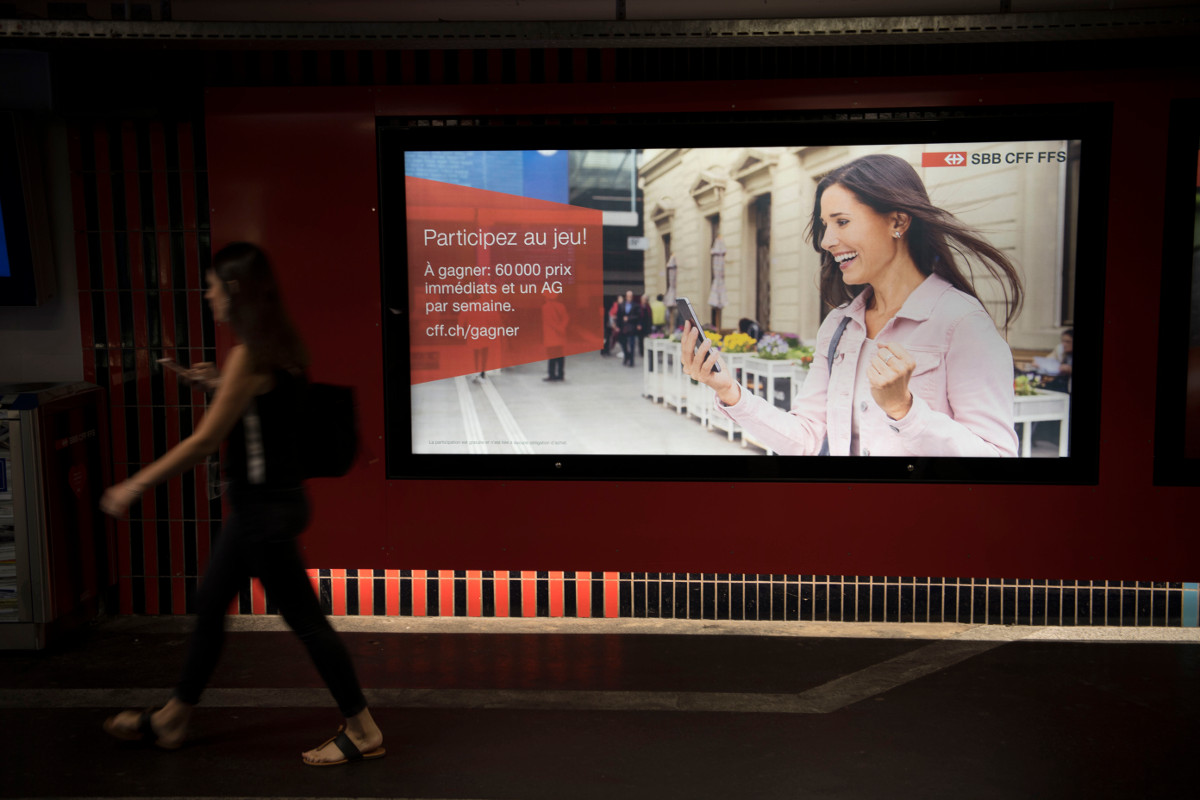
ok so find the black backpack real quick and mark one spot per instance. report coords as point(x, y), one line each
point(330, 411)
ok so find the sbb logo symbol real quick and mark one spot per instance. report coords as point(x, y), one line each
point(943, 159)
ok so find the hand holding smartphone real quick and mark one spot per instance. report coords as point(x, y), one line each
point(171, 364)
point(688, 313)
point(203, 375)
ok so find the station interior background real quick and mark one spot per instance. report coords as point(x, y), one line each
point(170, 128)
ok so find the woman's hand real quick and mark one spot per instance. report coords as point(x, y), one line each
point(203, 374)
point(699, 365)
point(117, 499)
point(888, 373)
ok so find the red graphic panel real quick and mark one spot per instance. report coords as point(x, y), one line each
point(497, 280)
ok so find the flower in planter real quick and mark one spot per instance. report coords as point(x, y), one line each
point(802, 355)
point(738, 343)
point(1024, 386)
point(772, 346)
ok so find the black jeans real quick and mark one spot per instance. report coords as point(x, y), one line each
point(258, 539)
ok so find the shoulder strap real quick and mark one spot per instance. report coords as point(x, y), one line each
point(837, 338)
point(833, 344)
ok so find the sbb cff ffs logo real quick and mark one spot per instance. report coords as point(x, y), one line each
point(1040, 157)
point(961, 159)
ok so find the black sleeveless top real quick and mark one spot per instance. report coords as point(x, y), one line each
point(265, 447)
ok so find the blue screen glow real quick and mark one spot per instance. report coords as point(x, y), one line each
point(5, 270)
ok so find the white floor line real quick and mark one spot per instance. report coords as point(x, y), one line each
point(679, 627)
point(473, 431)
point(511, 429)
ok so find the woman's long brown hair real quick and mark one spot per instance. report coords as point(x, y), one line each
point(887, 184)
point(256, 309)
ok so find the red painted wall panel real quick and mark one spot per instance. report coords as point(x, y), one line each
point(298, 177)
point(295, 170)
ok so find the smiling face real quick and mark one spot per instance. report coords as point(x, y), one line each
point(861, 240)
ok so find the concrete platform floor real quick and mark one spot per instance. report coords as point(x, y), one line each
point(490, 709)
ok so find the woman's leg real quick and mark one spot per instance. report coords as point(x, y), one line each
point(226, 573)
point(285, 580)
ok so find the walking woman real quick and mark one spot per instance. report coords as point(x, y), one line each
point(918, 367)
point(255, 408)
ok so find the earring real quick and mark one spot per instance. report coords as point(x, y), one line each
point(895, 234)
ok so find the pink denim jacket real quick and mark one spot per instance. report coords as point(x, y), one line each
point(962, 386)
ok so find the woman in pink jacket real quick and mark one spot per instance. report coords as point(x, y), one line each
point(919, 368)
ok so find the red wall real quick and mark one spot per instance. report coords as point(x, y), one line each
point(295, 170)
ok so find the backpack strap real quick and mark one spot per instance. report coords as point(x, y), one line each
point(833, 345)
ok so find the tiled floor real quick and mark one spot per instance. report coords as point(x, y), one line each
point(626, 709)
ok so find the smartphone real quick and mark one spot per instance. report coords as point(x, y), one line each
point(688, 313)
point(170, 364)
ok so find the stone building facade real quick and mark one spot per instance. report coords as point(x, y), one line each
point(759, 202)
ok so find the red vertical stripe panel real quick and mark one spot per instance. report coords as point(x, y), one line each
point(446, 593)
point(418, 593)
point(583, 594)
point(557, 604)
point(338, 591)
point(528, 594)
point(85, 328)
point(392, 592)
point(612, 594)
point(104, 209)
point(366, 593)
point(474, 593)
point(195, 322)
point(187, 179)
point(133, 206)
point(116, 400)
point(166, 313)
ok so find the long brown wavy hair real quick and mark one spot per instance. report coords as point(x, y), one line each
point(888, 184)
point(256, 310)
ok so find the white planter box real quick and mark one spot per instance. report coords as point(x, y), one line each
point(653, 366)
point(698, 400)
point(770, 379)
point(1042, 407)
point(736, 363)
point(674, 384)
